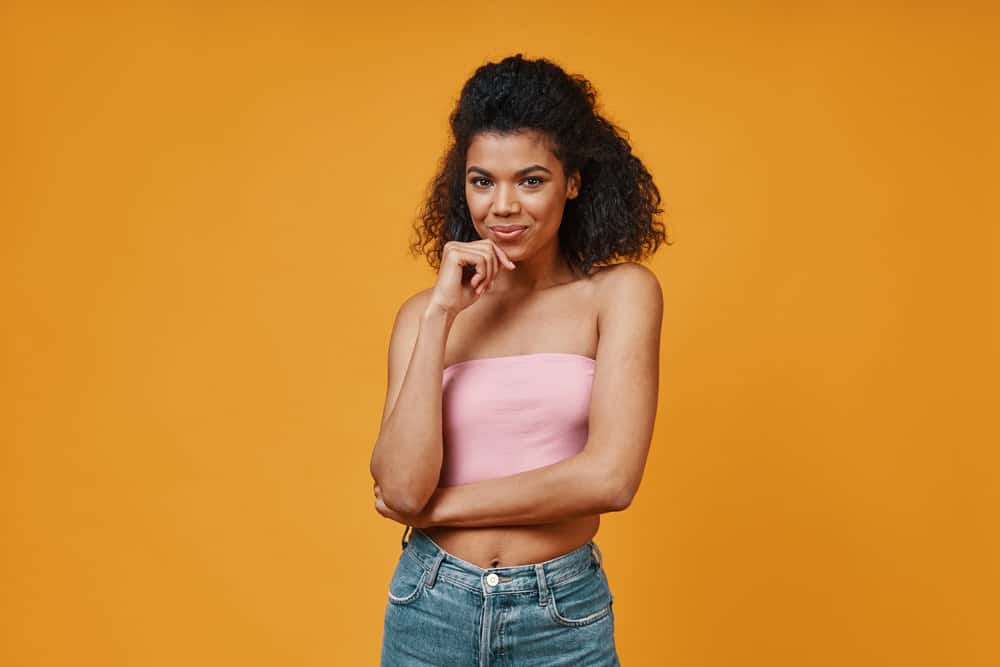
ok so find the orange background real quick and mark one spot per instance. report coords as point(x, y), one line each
point(205, 218)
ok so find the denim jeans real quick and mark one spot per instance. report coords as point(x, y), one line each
point(447, 612)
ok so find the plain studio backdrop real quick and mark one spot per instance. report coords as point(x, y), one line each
point(205, 211)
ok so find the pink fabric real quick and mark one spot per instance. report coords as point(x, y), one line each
point(505, 415)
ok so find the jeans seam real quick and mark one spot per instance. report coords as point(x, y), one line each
point(571, 577)
point(577, 622)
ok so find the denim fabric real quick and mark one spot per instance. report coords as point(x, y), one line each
point(447, 612)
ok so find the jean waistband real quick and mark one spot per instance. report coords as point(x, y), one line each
point(493, 580)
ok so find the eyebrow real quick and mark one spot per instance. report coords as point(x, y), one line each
point(519, 172)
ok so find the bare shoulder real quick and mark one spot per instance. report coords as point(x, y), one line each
point(629, 281)
point(404, 329)
point(415, 304)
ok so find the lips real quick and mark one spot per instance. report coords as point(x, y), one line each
point(509, 232)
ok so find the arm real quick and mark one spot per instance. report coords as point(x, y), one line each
point(406, 460)
point(605, 476)
point(573, 487)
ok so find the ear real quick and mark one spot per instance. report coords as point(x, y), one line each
point(573, 185)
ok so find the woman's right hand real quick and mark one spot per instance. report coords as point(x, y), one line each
point(453, 291)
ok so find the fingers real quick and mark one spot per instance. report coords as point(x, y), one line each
point(486, 256)
point(490, 263)
point(482, 270)
point(497, 259)
point(486, 269)
point(504, 257)
point(481, 260)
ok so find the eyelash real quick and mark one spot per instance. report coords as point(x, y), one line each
point(540, 180)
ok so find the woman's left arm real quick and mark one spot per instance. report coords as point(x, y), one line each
point(605, 476)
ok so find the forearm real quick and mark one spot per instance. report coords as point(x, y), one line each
point(406, 460)
point(576, 486)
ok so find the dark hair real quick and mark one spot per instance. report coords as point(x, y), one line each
point(614, 215)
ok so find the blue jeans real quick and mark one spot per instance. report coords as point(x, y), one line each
point(444, 611)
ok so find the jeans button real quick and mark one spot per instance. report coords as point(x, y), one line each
point(492, 579)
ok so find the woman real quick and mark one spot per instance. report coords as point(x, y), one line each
point(522, 386)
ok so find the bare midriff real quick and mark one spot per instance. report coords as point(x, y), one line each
point(506, 546)
point(509, 323)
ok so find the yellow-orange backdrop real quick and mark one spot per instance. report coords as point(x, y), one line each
point(205, 219)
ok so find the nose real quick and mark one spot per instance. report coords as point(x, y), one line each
point(506, 201)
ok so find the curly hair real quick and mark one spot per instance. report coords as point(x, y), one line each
point(614, 215)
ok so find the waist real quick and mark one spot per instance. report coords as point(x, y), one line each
point(507, 546)
point(511, 578)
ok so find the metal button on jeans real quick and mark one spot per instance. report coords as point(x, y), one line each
point(492, 623)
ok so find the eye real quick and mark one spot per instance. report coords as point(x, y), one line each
point(538, 180)
point(476, 180)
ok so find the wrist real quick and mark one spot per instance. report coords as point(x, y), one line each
point(437, 313)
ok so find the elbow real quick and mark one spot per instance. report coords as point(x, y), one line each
point(398, 500)
point(401, 495)
point(401, 499)
point(406, 485)
point(619, 496)
point(404, 504)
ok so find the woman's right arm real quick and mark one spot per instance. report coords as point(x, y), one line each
point(406, 461)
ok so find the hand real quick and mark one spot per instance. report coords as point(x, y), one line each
point(420, 520)
point(452, 293)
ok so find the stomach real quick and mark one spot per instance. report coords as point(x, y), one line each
point(507, 546)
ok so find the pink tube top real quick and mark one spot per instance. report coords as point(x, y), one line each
point(505, 415)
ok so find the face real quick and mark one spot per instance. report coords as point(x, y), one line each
point(514, 181)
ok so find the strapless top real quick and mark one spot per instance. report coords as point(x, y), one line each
point(505, 415)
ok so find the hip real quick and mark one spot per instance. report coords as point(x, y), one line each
point(443, 610)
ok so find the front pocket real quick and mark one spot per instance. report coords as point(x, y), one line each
point(407, 580)
point(582, 601)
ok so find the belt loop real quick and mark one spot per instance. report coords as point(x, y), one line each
point(597, 550)
point(543, 587)
point(432, 572)
point(404, 541)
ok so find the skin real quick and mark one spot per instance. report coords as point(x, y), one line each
point(496, 193)
point(524, 298)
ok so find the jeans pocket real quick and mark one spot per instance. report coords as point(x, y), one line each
point(582, 600)
point(407, 580)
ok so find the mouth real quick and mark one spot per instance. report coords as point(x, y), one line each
point(508, 232)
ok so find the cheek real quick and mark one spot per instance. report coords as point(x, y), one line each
point(544, 209)
point(479, 206)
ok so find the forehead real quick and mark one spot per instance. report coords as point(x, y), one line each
point(510, 151)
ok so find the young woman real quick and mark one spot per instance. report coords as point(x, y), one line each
point(522, 386)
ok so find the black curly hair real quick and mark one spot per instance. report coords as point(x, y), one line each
point(614, 216)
